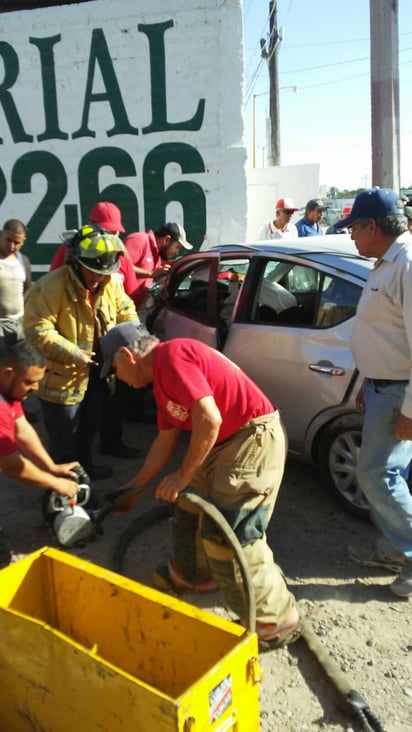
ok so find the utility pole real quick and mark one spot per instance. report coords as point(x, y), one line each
point(385, 93)
point(274, 39)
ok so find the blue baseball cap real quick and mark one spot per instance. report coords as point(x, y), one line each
point(373, 203)
point(125, 334)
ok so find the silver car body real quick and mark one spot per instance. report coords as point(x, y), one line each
point(305, 368)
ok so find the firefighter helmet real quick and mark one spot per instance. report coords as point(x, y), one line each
point(96, 249)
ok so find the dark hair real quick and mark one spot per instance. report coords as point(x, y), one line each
point(21, 355)
point(164, 231)
point(14, 225)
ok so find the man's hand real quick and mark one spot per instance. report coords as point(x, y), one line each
point(160, 271)
point(66, 487)
point(89, 357)
point(403, 427)
point(124, 505)
point(171, 486)
point(65, 470)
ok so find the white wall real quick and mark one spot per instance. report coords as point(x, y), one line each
point(82, 89)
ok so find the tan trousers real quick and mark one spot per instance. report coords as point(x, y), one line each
point(241, 477)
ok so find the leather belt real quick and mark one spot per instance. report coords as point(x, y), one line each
point(387, 382)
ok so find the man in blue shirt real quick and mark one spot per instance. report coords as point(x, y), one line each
point(309, 225)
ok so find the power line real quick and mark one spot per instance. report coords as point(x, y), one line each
point(336, 63)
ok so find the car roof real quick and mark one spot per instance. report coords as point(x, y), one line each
point(334, 250)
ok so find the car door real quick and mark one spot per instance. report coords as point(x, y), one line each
point(199, 298)
point(296, 350)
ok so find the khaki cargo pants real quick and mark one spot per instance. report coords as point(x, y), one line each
point(241, 477)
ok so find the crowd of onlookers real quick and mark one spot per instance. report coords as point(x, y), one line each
point(310, 224)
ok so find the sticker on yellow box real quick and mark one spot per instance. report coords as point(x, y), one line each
point(220, 699)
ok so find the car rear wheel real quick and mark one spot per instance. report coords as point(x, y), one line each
point(338, 457)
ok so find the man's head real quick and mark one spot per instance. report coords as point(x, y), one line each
point(107, 216)
point(314, 210)
point(95, 254)
point(285, 209)
point(122, 349)
point(170, 238)
point(377, 219)
point(12, 237)
point(22, 367)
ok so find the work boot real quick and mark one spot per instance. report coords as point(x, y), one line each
point(122, 451)
point(168, 576)
point(402, 587)
point(382, 555)
point(281, 634)
point(97, 472)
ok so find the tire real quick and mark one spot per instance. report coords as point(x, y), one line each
point(338, 454)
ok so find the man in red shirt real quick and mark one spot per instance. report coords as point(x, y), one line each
point(235, 457)
point(151, 253)
point(22, 455)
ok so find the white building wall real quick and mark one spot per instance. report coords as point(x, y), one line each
point(65, 72)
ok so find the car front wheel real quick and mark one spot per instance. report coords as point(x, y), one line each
point(338, 457)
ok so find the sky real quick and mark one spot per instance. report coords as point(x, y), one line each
point(324, 87)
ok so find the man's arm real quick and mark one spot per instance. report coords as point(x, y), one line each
point(161, 450)
point(28, 441)
point(206, 422)
point(22, 470)
point(159, 271)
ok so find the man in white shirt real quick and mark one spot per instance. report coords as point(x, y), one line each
point(281, 226)
point(14, 281)
point(381, 346)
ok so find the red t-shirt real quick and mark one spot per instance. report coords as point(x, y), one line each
point(9, 412)
point(143, 252)
point(185, 370)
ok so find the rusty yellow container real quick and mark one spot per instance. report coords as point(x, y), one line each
point(87, 650)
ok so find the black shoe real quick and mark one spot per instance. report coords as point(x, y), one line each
point(150, 418)
point(121, 451)
point(5, 550)
point(97, 472)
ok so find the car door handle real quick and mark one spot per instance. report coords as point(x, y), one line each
point(326, 367)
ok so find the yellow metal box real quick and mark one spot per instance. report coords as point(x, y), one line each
point(87, 650)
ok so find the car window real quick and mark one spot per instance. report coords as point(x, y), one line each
point(191, 288)
point(300, 295)
point(338, 301)
point(287, 293)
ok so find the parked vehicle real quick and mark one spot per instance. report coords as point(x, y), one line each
point(283, 312)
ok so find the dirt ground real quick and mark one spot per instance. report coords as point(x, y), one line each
point(366, 629)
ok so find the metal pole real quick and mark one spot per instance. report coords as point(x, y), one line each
point(274, 84)
point(385, 93)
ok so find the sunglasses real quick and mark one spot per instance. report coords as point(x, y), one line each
point(287, 211)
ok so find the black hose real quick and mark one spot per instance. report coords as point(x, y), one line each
point(136, 527)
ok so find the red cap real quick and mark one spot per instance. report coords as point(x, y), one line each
point(347, 210)
point(287, 204)
point(108, 216)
